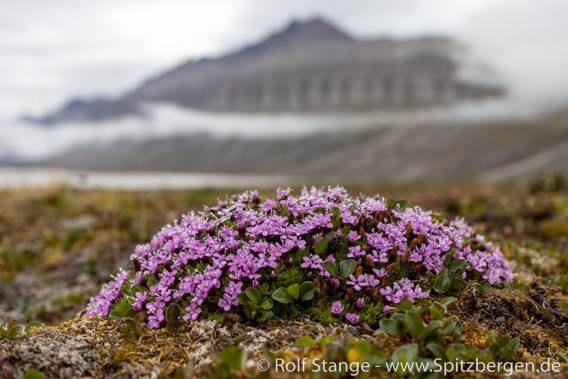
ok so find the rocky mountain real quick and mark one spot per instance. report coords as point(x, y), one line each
point(308, 66)
point(99, 109)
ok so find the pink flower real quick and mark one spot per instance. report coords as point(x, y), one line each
point(337, 308)
point(355, 251)
point(353, 236)
point(352, 318)
point(268, 205)
point(192, 312)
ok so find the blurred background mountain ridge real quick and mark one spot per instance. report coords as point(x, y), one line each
point(308, 66)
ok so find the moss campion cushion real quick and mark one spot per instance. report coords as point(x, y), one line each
point(206, 260)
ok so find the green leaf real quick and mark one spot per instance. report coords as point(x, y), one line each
point(507, 354)
point(456, 351)
point(33, 374)
point(502, 340)
point(234, 358)
point(458, 284)
point(400, 205)
point(397, 205)
point(500, 319)
point(271, 357)
point(432, 327)
point(401, 327)
point(378, 358)
point(130, 324)
point(174, 325)
point(347, 267)
point(404, 354)
point(305, 342)
point(306, 291)
point(172, 312)
point(253, 294)
point(514, 345)
point(438, 351)
point(11, 324)
point(561, 357)
point(389, 326)
point(266, 304)
point(252, 310)
point(564, 307)
point(423, 302)
point(242, 298)
point(404, 305)
point(483, 287)
point(262, 315)
point(281, 295)
point(398, 317)
point(330, 267)
point(13, 332)
point(456, 268)
point(122, 309)
point(415, 324)
point(318, 339)
point(435, 312)
point(364, 348)
point(448, 301)
point(321, 246)
point(449, 326)
point(294, 291)
point(293, 313)
point(442, 284)
point(33, 324)
point(130, 312)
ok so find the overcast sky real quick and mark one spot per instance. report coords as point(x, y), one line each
point(57, 49)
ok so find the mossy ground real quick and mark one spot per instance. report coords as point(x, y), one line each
point(58, 246)
point(94, 346)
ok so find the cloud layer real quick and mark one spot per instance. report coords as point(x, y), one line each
point(51, 51)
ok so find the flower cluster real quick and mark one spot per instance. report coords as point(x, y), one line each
point(111, 291)
point(204, 261)
point(401, 290)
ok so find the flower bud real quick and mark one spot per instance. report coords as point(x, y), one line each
point(369, 261)
point(349, 295)
point(413, 243)
point(417, 269)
